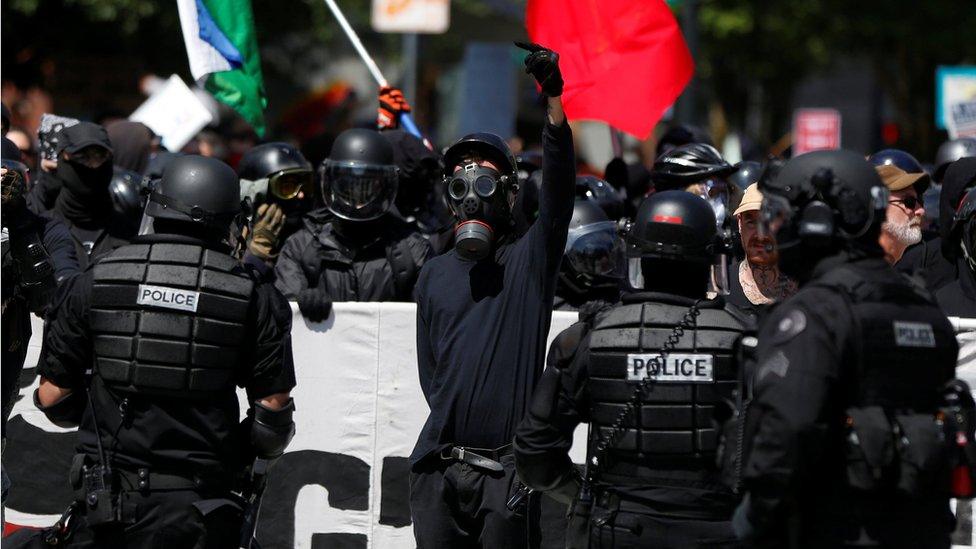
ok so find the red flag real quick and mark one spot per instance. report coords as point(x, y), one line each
point(623, 61)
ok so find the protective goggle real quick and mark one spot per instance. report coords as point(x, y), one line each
point(287, 184)
point(596, 249)
point(484, 182)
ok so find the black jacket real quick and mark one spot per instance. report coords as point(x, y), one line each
point(316, 257)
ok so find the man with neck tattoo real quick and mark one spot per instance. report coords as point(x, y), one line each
point(756, 280)
point(903, 218)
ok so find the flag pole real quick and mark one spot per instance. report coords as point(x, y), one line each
point(405, 119)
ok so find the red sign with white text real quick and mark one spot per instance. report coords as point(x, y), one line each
point(815, 130)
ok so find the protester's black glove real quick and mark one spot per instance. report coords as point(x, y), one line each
point(543, 64)
point(315, 304)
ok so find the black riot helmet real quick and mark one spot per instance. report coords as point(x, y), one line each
point(480, 197)
point(276, 169)
point(125, 190)
point(688, 164)
point(359, 178)
point(898, 158)
point(746, 173)
point(196, 193)
point(950, 151)
point(600, 192)
point(594, 257)
point(821, 203)
point(486, 145)
point(670, 227)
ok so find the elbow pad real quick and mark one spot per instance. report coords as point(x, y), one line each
point(66, 412)
point(272, 430)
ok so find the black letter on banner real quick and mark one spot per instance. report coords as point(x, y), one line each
point(346, 478)
point(395, 492)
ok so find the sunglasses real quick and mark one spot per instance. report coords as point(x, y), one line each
point(910, 202)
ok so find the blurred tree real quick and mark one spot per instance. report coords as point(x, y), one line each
point(754, 52)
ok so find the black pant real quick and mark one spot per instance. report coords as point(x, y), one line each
point(456, 505)
point(618, 529)
point(174, 519)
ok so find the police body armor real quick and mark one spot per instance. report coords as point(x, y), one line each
point(675, 428)
point(904, 353)
point(169, 318)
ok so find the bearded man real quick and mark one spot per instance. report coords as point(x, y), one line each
point(903, 218)
point(756, 281)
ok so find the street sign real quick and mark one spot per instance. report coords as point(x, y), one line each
point(410, 16)
point(815, 130)
point(953, 85)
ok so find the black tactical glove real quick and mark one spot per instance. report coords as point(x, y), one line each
point(315, 304)
point(543, 65)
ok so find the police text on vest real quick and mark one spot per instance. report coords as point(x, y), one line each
point(690, 368)
point(171, 298)
point(914, 334)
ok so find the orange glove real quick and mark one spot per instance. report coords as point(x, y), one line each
point(392, 103)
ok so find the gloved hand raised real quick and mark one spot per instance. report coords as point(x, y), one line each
point(315, 304)
point(263, 240)
point(392, 104)
point(543, 64)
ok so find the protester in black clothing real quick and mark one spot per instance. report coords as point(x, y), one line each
point(593, 265)
point(356, 249)
point(132, 143)
point(279, 185)
point(483, 312)
point(958, 298)
point(159, 442)
point(84, 203)
point(655, 485)
point(935, 260)
point(841, 409)
point(37, 255)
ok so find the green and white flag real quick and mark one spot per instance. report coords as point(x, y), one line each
point(223, 51)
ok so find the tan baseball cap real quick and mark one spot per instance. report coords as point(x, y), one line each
point(751, 200)
point(897, 179)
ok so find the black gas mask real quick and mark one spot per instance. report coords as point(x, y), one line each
point(479, 197)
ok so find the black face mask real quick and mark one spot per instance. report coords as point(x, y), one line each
point(84, 198)
point(479, 198)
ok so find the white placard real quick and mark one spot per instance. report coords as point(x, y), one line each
point(174, 113)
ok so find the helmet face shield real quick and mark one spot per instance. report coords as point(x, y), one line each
point(287, 184)
point(596, 250)
point(358, 192)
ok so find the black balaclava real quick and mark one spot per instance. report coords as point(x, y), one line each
point(84, 199)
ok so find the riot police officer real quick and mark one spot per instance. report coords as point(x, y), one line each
point(842, 426)
point(357, 248)
point(169, 324)
point(593, 263)
point(651, 477)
